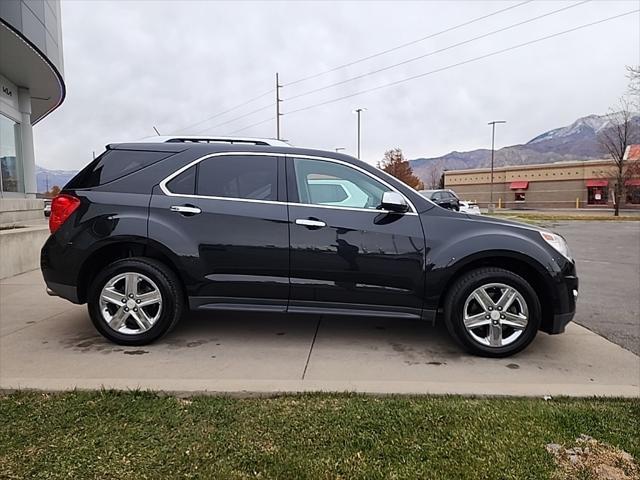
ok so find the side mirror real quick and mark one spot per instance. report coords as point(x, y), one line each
point(394, 202)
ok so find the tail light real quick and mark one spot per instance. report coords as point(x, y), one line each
point(62, 207)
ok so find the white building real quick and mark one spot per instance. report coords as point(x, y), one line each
point(31, 87)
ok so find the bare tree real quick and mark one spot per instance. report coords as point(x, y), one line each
point(433, 176)
point(615, 140)
point(633, 74)
point(395, 164)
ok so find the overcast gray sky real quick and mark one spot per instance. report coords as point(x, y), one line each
point(131, 65)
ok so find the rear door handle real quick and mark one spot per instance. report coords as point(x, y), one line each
point(307, 222)
point(185, 209)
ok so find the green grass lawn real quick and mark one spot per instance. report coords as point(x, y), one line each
point(143, 435)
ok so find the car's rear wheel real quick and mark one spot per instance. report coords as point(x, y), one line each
point(492, 312)
point(135, 301)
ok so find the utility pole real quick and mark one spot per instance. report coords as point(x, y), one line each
point(358, 111)
point(493, 146)
point(278, 114)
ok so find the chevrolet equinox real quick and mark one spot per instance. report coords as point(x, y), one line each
point(150, 229)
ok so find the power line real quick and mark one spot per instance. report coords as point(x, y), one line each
point(236, 118)
point(420, 57)
point(403, 45)
point(475, 59)
point(219, 114)
point(253, 125)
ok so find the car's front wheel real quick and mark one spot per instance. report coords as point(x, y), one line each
point(492, 312)
point(135, 301)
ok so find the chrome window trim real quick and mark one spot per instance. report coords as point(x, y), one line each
point(166, 191)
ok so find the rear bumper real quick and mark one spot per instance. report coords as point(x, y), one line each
point(68, 292)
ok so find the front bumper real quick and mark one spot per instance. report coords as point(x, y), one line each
point(566, 299)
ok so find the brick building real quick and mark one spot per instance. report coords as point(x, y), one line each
point(587, 184)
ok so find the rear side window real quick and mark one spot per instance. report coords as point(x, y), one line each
point(185, 183)
point(114, 164)
point(252, 177)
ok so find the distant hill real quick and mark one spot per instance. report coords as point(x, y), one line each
point(578, 141)
point(52, 177)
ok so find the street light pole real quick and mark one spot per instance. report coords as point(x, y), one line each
point(278, 100)
point(358, 111)
point(338, 149)
point(493, 145)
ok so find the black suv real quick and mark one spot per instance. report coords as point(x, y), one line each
point(442, 198)
point(148, 230)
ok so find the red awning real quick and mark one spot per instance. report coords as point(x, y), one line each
point(597, 183)
point(634, 182)
point(519, 184)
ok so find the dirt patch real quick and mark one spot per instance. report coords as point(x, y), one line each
point(86, 344)
point(513, 366)
point(589, 459)
point(135, 352)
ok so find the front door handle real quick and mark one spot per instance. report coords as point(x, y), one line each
point(307, 222)
point(186, 210)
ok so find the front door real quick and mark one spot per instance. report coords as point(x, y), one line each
point(347, 256)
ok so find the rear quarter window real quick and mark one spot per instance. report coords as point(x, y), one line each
point(114, 164)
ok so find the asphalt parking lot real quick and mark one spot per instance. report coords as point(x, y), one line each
point(608, 262)
point(48, 343)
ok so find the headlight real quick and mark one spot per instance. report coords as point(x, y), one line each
point(557, 242)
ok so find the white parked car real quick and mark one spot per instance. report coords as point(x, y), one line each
point(469, 207)
point(47, 208)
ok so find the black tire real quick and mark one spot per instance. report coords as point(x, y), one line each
point(171, 296)
point(465, 286)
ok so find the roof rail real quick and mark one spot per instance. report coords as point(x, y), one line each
point(207, 139)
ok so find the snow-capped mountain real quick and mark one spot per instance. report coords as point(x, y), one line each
point(578, 141)
point(46, 177)
point(586, 125)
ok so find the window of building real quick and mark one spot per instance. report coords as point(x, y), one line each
point(520, 196)
point(11, 179)
point(597, 195)
point(633, 192)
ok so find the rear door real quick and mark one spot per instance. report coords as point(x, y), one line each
point(226, 219)
point(347, 256)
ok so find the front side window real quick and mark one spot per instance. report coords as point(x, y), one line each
point(321, 182)
point(252, 177)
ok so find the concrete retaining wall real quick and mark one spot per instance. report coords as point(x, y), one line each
point(20, 249)
point(18, 211)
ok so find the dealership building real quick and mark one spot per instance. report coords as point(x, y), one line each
point(573, 184)
point(32, 86)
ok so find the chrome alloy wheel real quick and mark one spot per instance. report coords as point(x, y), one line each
point(495, 315)
point(130, 303)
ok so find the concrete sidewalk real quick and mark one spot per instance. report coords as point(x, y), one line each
point(47, 343)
